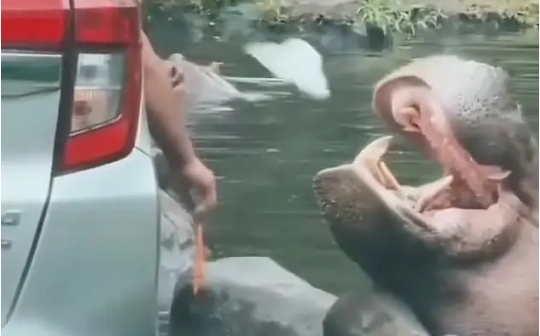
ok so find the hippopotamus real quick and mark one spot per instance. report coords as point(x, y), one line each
point(203, 84)
point(462, 251)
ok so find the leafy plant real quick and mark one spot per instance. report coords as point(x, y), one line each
point(423, 18)
point(274, 11)
point(381, 13)
point(392, 15)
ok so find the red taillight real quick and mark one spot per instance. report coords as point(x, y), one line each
point(107, 21)
point(108, 83)
point(34, 24)
point(107, 89)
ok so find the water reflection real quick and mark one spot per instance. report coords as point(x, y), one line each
point(266, 151)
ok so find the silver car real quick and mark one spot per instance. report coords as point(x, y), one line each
point(83, 250)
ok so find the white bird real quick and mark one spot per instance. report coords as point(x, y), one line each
point(293, 61)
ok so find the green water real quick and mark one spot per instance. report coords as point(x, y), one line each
point(266, 153)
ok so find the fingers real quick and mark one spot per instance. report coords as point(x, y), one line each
point(208, 202)
point(206, 207)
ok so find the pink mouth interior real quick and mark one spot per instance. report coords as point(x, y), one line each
point(471, 186)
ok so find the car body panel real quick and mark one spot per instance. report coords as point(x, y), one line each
point(88, 277)
point(95, 267)
point(30, 103)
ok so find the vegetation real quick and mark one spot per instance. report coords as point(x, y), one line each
point(390, 15)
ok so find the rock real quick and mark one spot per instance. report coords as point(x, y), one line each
point(177, 246)
point(174, 188)
point(162, 168)
point(250, 296)
point(330, 8)
point(371, 313)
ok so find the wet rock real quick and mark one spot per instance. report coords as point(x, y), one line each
point(238, 21)
point(250, 296)
point(177, 248)
point(174, 188)
point(164, 179)
point(162, 168)
point(371, 313)
point(331, 8)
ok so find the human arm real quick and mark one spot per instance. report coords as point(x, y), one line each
point(167, 124)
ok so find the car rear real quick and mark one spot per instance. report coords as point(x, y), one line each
point(80, 210)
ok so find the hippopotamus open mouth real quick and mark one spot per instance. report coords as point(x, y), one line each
point(442, 214)
point(462, 251)
point(469, 213)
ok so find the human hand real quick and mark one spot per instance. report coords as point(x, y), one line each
point(202, 180)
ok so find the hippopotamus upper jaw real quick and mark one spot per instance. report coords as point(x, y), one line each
point(480, 116)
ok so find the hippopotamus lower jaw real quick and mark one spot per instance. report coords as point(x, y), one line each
point(365, 191)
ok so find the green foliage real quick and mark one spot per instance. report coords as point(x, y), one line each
point(523, 12)
point(274, 11)
point(391, 15)
point(380, 13)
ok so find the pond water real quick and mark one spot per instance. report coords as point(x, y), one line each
point(266, 153)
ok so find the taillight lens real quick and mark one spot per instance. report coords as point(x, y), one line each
point(107, 92)
point(106, 105)
point(98, 91)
